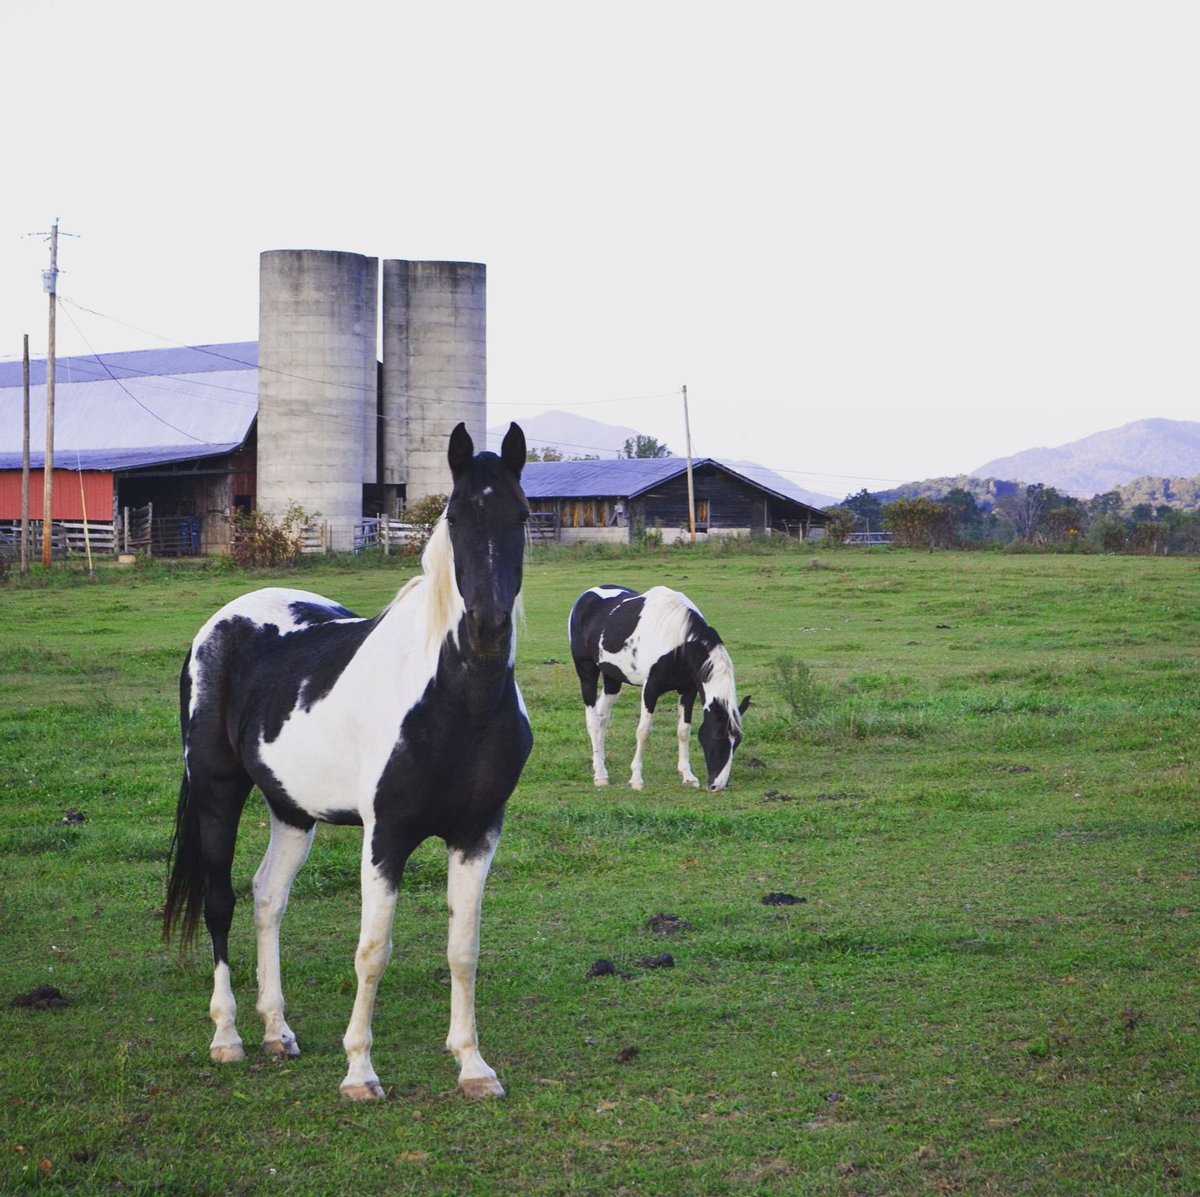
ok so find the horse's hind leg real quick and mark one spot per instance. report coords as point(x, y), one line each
point(597, 713)
point(464, 895)
point(219, 809)
point(287, 851)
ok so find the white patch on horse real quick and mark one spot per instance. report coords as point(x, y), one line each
point(663, 626)
point(363, 710)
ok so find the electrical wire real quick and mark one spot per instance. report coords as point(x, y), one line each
point(149, 411)
point(347, 420)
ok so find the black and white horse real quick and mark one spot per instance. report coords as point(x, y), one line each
point(659, 641)
point(410, 724)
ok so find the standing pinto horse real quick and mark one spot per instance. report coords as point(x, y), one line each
point(659, 641)
point(410, 724)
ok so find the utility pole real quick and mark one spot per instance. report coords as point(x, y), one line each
point(50, 282)
point(26, 547)
point(687, 428)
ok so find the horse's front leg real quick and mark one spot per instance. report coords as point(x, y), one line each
point(287, 851)
point(371, 958)
point(684, 736)
point(645, 722)
point(466, 876)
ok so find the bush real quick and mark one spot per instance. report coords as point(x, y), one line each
point(261, 539)
point(423, 515)
point(839, 523)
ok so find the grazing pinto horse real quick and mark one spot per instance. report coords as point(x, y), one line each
point(410, 724)
point(659, 641)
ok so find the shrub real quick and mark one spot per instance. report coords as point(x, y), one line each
point(261, 539)
point(919, 524)
point(423, 515)
point(797, 685)
point(651, 538)
point(839, 523)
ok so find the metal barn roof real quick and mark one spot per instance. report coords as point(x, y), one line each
point(623, 477)
point(629, 478)
point(123, 410)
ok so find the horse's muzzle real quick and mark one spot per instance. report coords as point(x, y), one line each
point(490, 631)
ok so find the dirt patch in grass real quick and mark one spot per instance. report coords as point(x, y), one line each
point(44, 997)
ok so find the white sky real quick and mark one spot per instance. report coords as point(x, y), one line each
point(878, 241)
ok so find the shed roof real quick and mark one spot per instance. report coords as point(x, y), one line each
point(124, 410)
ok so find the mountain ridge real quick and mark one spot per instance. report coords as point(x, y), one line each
point(1106, 460)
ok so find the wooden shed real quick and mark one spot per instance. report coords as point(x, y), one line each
point(613, 500)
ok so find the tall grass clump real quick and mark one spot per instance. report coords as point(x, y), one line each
point(795, 682)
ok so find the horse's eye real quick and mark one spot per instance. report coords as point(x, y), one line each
point(524, 517)
point(451, 520)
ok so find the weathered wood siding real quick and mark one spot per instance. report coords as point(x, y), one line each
point(721, 502)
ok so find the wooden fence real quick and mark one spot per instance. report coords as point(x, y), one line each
point(387, 534)
point(68, 538)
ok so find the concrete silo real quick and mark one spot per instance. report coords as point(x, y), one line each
point(318, 390)
point(434, 368)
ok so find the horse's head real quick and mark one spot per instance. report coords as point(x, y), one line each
point(486, 516)
point(720, 734)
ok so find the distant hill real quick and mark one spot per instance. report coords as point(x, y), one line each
point(576, 436)
point(985, 491)
point(1108, 460)
point(1181, 493)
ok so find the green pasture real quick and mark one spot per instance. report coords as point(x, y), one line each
point(979, 771)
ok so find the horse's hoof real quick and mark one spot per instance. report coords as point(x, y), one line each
point(230, 1053)
point(477, 1088)
point(636, 785)
point(281, 1049)
point(365, 1091)
point(601, 782)
point(692, 783)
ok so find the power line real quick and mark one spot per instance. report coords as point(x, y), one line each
point(149, 411)
point(351, 386)
point(588, 402)
point(348, 420)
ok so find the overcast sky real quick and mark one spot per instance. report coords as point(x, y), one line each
point(877, 241)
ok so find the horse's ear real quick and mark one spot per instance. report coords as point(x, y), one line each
point(744, 705)
point(512, 451)
point(461, 450)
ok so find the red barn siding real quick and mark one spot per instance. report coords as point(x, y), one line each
point(68, 502)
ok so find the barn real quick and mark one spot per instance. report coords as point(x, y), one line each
point(147, 444)
point(615, 500)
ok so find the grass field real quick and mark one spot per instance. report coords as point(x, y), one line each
point(979, 771)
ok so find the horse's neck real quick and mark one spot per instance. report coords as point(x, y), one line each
point(712, 672)
point(475, 688)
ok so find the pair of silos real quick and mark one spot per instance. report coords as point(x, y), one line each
point(331, 418)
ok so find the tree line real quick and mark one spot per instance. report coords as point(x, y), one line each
point(993, 513)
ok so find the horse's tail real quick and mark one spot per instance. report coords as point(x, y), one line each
point(186, 878)
point(186, 881)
